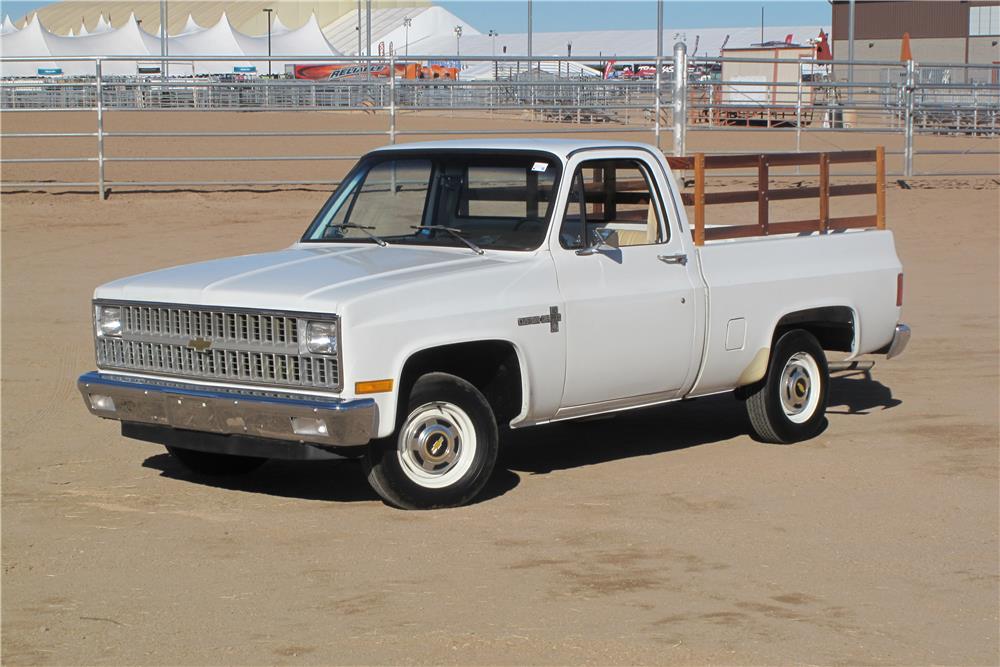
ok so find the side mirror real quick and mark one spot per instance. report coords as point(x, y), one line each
point(600, 242)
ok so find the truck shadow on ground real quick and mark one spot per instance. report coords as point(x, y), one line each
point(666, 428)
point(859, 394)
point(333, 481)
point(543, 449)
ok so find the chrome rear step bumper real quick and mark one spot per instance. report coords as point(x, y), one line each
point(900, 339)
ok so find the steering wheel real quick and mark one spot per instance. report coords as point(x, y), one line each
point(518, 224)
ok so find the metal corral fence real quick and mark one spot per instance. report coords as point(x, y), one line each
point(905, 99)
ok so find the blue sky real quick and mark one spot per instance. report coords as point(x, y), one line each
point(510, 16)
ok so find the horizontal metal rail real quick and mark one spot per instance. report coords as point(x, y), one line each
point(904, 100)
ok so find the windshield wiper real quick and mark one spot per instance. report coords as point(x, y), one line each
point(364, 230)
point(457, 233)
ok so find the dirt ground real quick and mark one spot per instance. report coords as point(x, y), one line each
point(664, 536)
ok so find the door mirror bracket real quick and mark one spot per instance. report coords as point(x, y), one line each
point(600, 242)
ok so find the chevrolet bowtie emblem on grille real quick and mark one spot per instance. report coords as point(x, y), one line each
point(199, 344)
point(552, 319)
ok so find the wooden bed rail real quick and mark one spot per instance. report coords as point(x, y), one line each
point(763, 195)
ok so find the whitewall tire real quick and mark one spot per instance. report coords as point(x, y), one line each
point(443, 452)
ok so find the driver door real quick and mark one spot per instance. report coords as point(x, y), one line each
point(629, 296)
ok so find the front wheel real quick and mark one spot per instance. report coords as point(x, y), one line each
point(789, 404)
point(443, 453)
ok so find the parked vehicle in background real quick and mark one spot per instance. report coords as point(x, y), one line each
point(449, 290)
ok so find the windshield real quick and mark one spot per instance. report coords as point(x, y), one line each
point(500, 202)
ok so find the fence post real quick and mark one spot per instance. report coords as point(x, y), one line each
point(98, 72)
point(880, 187)
point(392, 99)
point(699, 199)
point(798, 116)
point(763, 194)
point(680, 98)
point(824, 192)
point(908, 95)
point(657, 102)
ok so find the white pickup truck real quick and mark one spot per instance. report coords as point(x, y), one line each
point(449, 290)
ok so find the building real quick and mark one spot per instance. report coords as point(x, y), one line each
point(941, 31)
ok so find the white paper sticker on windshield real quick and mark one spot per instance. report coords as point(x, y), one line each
point(540, 166)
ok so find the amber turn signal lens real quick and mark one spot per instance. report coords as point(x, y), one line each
point(372, 386)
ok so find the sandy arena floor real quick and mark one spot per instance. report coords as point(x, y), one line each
point(665, 536)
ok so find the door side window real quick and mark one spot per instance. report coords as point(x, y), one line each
point(614, 199)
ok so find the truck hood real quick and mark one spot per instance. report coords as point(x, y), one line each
point(304, 277)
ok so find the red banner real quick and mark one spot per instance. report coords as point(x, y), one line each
point(376, 71)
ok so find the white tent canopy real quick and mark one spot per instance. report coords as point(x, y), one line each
point(130, 40)
point(8, 26)
point(278, 28)
point(431, 33)
point(190, 26)
point(31, 40)
point(102, 26)
point(389, 32)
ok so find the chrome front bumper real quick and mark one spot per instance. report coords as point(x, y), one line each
point(255, 413)
point(899, 340)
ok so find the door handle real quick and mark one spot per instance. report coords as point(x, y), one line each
point(679, 258)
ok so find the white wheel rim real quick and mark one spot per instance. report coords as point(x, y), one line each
point(800, 387)
point(436, 445)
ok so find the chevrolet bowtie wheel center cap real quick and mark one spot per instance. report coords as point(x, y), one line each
point(437, 446)
point(796, 385)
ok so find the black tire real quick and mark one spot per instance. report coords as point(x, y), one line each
point(431, 461)
point(216, 465)
point(789, 404)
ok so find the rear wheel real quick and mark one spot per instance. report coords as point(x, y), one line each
point(210, 463)
point(443, 453)
point(789, 404)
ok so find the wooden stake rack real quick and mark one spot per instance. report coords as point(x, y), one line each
point(699, 163)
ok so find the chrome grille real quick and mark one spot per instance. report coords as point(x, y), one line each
point(236, 346)
point(218, 325)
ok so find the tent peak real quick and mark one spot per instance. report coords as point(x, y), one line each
point(7, 26)
point(190, 26)
point(278, 27)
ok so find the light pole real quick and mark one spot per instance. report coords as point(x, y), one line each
point(407, 22)
point(850, 52)
point(529, 38)
point(368, 32)
point(268, 12)
point(164, 49)
point(458, 40)
point(659, 29)
point(496, 66)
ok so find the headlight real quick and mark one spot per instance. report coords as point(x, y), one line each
point(321, 337)
point(109, 321)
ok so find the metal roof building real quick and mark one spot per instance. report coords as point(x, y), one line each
point(952, 31)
